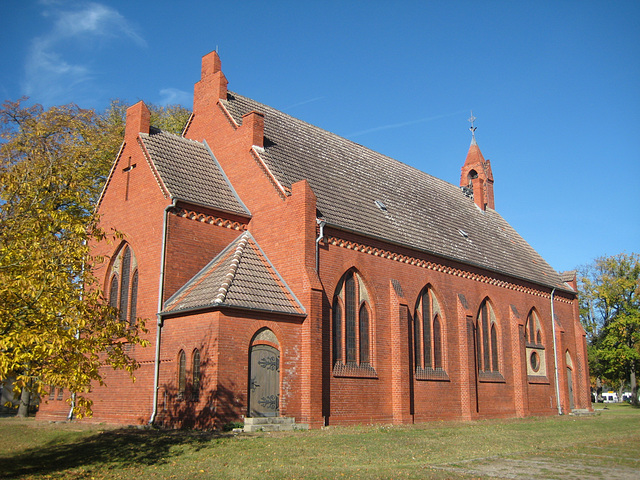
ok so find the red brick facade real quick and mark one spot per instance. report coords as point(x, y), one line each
point(391, 278)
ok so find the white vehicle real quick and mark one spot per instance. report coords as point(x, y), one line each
point(610, 397)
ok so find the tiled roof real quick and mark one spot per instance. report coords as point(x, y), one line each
point(190, 172)
point(366, 192)
point(240, 276)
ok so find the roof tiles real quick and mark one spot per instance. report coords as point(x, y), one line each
point(422, 212)
point(240, 276)
point(190, 172)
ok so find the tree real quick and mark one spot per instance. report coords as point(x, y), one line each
point(610, 313)
point(56, 328)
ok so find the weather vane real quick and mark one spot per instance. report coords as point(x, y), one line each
point(472, 127)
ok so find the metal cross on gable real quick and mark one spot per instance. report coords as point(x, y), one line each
point(472, 127)
point(127, 170)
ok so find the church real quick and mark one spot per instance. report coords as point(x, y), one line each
point(290, 276)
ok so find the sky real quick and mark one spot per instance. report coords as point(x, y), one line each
point(554, 86)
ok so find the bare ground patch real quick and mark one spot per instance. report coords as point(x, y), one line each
point(549, 467)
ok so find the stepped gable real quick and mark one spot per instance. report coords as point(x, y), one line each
point(190, 172)
point(369, 193)
point(240, 276)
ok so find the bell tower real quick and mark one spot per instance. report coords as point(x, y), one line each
point(476, 173)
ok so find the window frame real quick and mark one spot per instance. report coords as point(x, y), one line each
point(195, 375)
point(535, 351)
point(123, 284)
point(182, 374)
point(429, 337)
point(352, 319)
point(488, 345)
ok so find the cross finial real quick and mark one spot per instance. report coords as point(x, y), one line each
point(472, 127)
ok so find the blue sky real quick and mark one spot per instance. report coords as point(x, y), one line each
point(555, 87)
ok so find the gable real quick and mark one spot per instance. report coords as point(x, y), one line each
point(241, 276)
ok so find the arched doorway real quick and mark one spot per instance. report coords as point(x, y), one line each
point(570, 380)
point(264, 375)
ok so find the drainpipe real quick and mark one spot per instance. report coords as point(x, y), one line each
point(156, 372)
point(77, 335)
point(322, 223)
point(555, 353)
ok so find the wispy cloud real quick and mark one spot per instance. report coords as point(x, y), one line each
point(390, 126)
point(175, 96)
point(51, 72)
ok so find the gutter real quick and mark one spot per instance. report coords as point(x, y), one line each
point(156, 372)
point(555, 353)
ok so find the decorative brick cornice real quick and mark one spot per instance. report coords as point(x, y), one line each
point(378, 252)
point(210, 219)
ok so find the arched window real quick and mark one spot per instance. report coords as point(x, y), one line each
point(428, 336)
point(113, 292)
point(487, 339)
point(364, 334)
point(535, 351)
point(337, 332)
point(134, 298)
point(195, 385)
point(182, 373)
point(124, 283)
point(437, 343)
point(351, 323)
point(123, 286)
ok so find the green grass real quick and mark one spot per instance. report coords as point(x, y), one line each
point(600, 446)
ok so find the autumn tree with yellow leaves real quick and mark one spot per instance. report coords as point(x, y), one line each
point(56, 329)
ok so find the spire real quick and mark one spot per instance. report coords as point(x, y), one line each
point(474, 155)
point(476, 174)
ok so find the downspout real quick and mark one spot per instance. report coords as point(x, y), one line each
point(555, 353)
point(156, 372)
point(322, 223)
point(77, 335)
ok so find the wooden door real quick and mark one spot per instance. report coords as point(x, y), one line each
point(264, 381)
point(570, 387)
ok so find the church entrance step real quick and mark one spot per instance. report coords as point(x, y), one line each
point(272, 424)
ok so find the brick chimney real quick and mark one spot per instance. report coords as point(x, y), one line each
point(253, 127)
point(212, 85)
point(138, 121)
point(477, 176)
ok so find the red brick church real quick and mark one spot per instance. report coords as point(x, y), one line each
point(288, 272)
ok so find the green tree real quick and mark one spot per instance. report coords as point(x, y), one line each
point(610, 313)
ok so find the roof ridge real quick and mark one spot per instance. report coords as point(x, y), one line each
point(171, 134)
point(233, 268)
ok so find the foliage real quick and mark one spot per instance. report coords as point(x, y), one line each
point(610, 313)
point(55, 327)
point(170, 118)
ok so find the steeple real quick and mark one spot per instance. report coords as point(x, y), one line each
point(476, 173)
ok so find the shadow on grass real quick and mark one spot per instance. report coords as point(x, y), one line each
point(115, 448)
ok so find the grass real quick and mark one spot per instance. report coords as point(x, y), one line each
point(600, 446)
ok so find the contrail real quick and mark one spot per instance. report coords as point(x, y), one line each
point(403, 124)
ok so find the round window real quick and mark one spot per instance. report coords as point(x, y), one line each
point(534, 359)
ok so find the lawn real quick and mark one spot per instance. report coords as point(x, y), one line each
point(604, 445)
